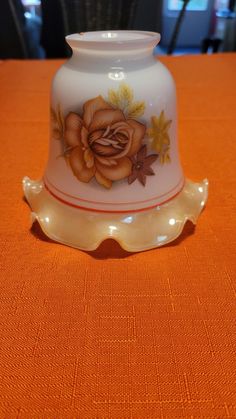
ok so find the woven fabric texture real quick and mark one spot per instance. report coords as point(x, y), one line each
point(109, 334)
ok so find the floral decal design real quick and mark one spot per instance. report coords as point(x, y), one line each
point(106, 141)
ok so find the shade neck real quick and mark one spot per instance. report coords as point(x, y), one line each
point(94, 51)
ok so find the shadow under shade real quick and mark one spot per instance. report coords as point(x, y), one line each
point(188, 230)
point(110, 249)
point(37, 232)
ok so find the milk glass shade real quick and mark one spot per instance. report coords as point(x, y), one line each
point(113, 169)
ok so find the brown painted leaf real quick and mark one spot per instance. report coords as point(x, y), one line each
point(142, 178)
point(148, 171)
point(150, 159)
point(132, 177)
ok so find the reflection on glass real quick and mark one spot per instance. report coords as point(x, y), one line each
point(116, 75)
point(161, 239)
point(112, 228)
point(109, 35)
point(127, 220)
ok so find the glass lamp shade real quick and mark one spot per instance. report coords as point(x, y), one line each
point(113, 169)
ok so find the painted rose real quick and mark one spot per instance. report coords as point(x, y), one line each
point(102, 142)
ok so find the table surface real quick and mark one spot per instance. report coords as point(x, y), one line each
point(109, 334)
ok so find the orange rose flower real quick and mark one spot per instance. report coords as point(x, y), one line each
point(102, 142)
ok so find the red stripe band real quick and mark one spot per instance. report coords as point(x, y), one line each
point(110, 211)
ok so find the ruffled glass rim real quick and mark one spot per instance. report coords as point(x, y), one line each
point(134, 232)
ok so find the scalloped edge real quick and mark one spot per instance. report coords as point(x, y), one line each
point(134, 232)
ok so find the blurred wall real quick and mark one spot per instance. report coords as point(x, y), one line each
point(195, 27)
point(149, 15)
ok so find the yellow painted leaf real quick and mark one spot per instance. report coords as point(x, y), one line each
point(159, 132)
point(161, 120)
point(136, 109)
point(125, 95)
point(162, 159)
point(167, 124)
point(166, 139)
point(57, 122)
point(167, 158)
point(154, 120)
point(150, 132)
point(113, 98)
point(157, 146)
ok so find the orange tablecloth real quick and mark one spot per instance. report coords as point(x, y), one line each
point(109, 334)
